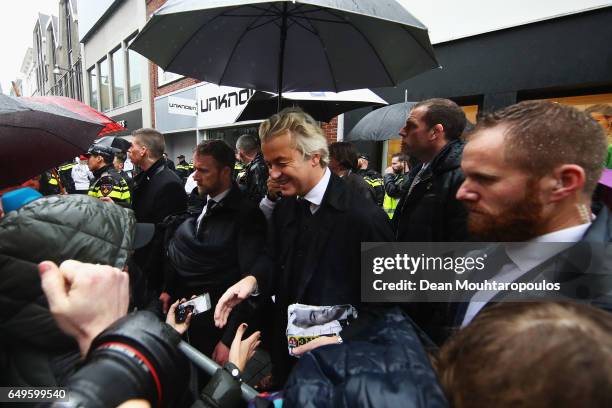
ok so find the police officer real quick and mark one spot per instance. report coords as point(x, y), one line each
point(183, 169)
point(394, 179)
point(108, 184)
point(65, 174)
point(372, 177)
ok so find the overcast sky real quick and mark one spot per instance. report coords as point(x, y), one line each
point(446, 20)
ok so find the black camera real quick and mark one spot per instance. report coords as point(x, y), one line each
point(194, 306)
point(135, 358)
point(182, 312)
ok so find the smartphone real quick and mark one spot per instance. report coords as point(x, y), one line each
point(196, 306)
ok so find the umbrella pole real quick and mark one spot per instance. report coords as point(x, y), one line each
point(281, 58)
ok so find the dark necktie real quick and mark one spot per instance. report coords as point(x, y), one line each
point(209, 206)
point(304, 207)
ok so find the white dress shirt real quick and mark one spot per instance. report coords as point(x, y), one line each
point(314, 196)
point(524, 258)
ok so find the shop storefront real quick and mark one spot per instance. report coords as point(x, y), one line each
point(564, 59)
point(201, 112)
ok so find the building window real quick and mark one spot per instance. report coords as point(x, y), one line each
point(68, 16)
point(135, 68)
point(40, 74)
point(93, 87)
point(104, 86)
point(165, 77)
point(118, 78)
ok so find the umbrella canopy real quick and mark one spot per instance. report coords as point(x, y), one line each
point(114, 142)
point(322, 106)
point(35, 137)
point(288, 45)
point(83, 110)
point(382, 124)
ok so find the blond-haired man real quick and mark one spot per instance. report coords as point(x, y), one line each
point(317, 228)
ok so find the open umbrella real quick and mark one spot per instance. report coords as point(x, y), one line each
point(288, 45)
point(35, 137)
point(382, 124)
point(83, 110)
point(322, 106)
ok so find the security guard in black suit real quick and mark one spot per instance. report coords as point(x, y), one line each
point(108, 182)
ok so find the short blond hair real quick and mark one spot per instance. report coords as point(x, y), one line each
point(306, 134)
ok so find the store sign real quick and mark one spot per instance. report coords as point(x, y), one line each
point(182, 106)
point(220, 105)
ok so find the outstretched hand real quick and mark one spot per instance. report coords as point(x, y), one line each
point(232, 297)
point(242, 350)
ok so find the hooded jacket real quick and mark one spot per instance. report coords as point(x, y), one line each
point(56, 228)
point(383, 365)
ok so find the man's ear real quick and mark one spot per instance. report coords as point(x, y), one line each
point(315, 159)
point(438, 131)
point(569, 180)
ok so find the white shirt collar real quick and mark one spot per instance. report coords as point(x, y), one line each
point(527, 256)
point(315, 195)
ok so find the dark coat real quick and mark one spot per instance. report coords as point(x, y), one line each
point(385, 366)
point(432, 213)
point(330, 267)
point(255, 179)
point(230, 240)
point(158, 193)
point(361, 187)
point(588, 263)
point(232, 237)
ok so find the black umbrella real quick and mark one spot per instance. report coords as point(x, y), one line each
point(322, 106)
point(288, 45)
point(382, 124)
point(35, 137)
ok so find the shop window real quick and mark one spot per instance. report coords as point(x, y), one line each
point(118, 78)
point(599, 106)
point(135, 67)
point(93, 87)
point(104, 86)
point(165, 77)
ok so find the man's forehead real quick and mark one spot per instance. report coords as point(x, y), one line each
point(417, 113)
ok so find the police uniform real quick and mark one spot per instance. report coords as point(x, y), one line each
point(65, 174)
point(183, 169)
point(375, 180)
point(239, 172)
point(108, 182)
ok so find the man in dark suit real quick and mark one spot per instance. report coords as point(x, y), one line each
point(158, 192)
point(530, 171)
point(215, 247)
point(316, 231)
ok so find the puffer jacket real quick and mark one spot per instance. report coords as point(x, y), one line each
point(432, 213)
point(383, 365)
point(37, 352)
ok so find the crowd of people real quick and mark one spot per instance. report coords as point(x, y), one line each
point(283, 232)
